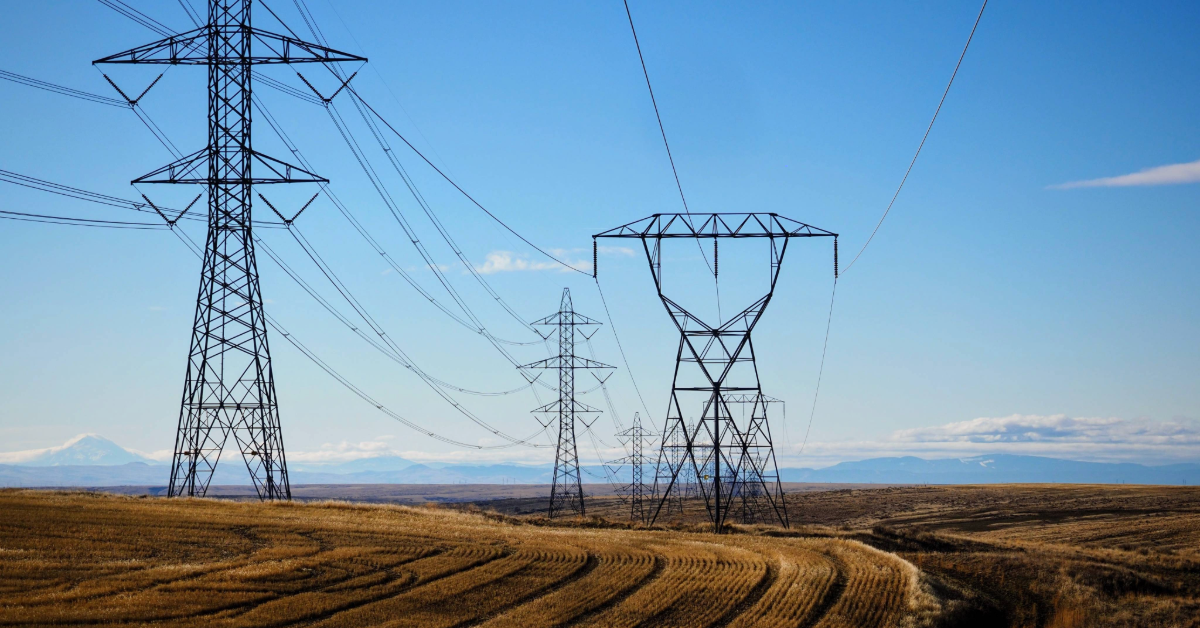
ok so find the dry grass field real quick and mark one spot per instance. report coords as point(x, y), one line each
point(83, 558)
point(1038, 555)
point(1014, 555)
point(1023, 556)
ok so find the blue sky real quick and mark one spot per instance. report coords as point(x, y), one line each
point(995, 311)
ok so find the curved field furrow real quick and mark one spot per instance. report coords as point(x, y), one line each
point(700, 582)
point(312, 605)
point(241, 565)
point(615, 572)
point(802, 590)
point(876, 590)
point(468, 594)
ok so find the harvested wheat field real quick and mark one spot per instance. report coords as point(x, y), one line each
point(83, 558)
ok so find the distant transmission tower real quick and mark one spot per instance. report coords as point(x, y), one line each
point(734, 460)
point(566, 492)
point(229, 387)
point(637, 491)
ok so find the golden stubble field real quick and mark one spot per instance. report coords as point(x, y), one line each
point(83, 558)
point(1019, 555)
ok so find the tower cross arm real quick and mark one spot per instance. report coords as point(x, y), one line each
point(570, 362)
point(566, 318)
point(193, 169)
point(192, 48)
point(718, 225)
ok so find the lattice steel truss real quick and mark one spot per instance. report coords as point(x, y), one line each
point(733, 458)
point(566, 491)
point(636, 493)
point(229, 387)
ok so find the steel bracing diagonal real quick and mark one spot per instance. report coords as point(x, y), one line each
point(566, 491)
point(726, 458)
point(229, 388)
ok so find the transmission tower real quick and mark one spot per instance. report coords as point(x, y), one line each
point(636, 438)
point(229, 388)
point(733, 460)
point(566, 491)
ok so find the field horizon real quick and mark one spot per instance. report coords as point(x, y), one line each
point(1015, 555)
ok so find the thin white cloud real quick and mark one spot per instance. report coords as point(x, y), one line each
point(507, 261)
point(1173, 174)
point(158, 455)
point(1098, 439)
point(344, 451)
point(622, 251)
point(17, 457)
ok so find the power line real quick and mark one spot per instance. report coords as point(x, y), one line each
point(377, 182)
point(138, 16)
point(117, 202)
point(80, 222)
point(820, 372)
point(457, 187)
point(624, 359)
point(59, 89)
point(42, 185)
point(386, 339)
point(362, 231)
point(308, 353)
point(364, 161)
point(432, 216)
point(711, 267)
point(399, 354)
point(923, 138)
point(657, 115)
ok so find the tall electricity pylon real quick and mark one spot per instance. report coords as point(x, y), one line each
point(566, 492)
point(229, 387)
point(637, 491)
point(733, 460)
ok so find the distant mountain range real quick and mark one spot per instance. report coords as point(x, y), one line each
point(997, 469)
point(91, 460)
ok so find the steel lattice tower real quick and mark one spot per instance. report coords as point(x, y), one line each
point(733, 460)
point(637, 490)
point(229, 387)
point(566, 491)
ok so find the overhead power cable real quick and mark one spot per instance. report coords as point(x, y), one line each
point(375, 327)
point(383, 80)
point(820, 372)
point(923, 138)
point(138, 16)
point(81, 222)
point(366, 235)
point(432, 216)
point(658, 116)
point(459, 188)
point(285, 88)
point(59, 89)
point(42, 185)
point(308, 353)
point(410, 233)
point(512, 441)
point(372, 175)
point(364, 161)
point(621, 348)
point(712, 268)
point(193, 16)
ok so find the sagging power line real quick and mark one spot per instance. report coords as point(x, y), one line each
point(230, 387)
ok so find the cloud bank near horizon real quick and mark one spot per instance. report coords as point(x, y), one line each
point(1172, 174)
point(1096, 439)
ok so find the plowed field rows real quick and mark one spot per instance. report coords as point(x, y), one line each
point(69, 559)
